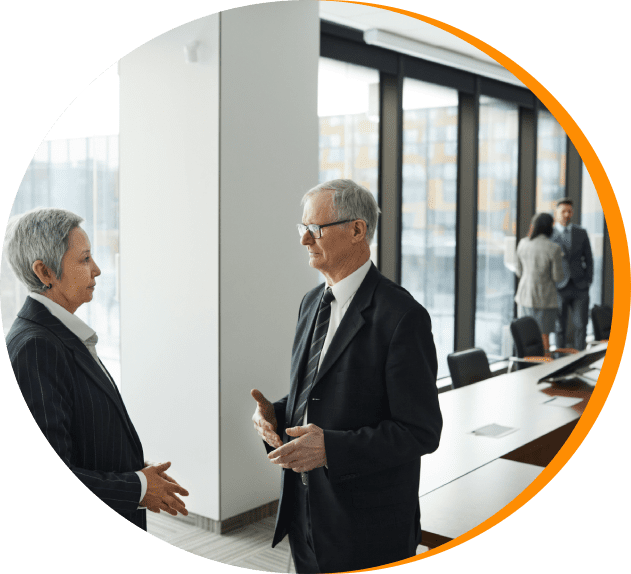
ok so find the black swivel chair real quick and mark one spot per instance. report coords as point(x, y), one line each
point(527, 338)
point(529, 344)
point(467, 367)
point(601, 320)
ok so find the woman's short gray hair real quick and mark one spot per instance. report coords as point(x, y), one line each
point(350, 201)
point(38, 234)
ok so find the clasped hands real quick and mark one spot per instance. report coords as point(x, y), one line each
point(162, 490)
point(303, 454)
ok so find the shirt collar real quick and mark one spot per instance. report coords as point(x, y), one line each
point(560, 227)
point(71, 321)
point(343, 290)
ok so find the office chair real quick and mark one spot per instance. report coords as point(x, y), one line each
point(529, 344)
point(601, 320)
point(467, 367)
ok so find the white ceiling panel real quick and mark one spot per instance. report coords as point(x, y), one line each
point(366, 17)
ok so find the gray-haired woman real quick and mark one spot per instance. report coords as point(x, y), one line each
point(66, 387)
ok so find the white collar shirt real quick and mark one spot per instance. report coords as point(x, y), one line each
point(561, 228)
point(343, 291)
point(69, 320)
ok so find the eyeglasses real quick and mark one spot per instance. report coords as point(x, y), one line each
point(316, 230)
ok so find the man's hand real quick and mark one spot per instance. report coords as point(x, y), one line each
point(161, 491)
point(304, 453)
point(264, 420)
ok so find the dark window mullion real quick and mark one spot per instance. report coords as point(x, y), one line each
point(466, 220)
point(390, 173)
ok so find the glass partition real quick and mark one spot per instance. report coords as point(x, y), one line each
point(593, 220)
point(348, 109)
point(78, 171)
point(496, 230)
point(551, 158)
point(428, 238)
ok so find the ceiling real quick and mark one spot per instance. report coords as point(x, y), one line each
point(366, 17)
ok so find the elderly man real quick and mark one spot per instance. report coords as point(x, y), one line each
point(578, 272)
point(66, 387)
point(362, 406)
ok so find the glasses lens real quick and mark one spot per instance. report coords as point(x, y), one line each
point(316, 231)
point(302, 229)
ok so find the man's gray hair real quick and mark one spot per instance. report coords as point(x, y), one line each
point(41, 233)
point(350, 201)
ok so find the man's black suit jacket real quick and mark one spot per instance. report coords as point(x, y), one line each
point(375, 397)
point(77, 408)
point(578, 262)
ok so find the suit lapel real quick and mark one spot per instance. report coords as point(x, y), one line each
point(573, 239)
point(351, 323)
point(348, 328)
point(36, 312)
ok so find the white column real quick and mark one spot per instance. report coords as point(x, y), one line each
point(214, 158)
point(269, 158)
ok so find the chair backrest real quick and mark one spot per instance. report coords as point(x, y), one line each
point(467, 367)
point(527, 337)
point(601, 320)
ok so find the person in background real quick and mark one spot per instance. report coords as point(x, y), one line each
point(362, 407)
point(578, 272)
point(539, 266)
point(68, 390)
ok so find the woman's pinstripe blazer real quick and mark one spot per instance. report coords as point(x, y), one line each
point(78, 409)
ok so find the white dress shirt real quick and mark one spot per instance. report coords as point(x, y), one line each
point(343, 291)
point(561, 228)
point(86, 335)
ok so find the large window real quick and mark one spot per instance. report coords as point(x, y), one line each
point(496, 232)
point(428, 242)
point(593, 220)
point(348, 108)
point(505, 125)
point(551, 158)
point(79, 173)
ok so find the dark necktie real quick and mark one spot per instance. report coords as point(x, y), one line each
point(317, 341)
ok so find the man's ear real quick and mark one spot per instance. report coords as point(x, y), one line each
point(44, 274)
point(359, 230)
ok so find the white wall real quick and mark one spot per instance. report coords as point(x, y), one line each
point(169, 233)
point(214, 159)
point(269, 158)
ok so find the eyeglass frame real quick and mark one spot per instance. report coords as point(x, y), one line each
point(319, 227)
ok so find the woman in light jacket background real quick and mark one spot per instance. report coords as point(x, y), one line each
point(539, 266)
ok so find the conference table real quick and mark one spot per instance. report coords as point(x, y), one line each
point(531, 428)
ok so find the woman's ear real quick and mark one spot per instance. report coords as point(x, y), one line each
point(44, 274)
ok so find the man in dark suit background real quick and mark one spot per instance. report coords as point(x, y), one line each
point(362, 406)
point(578, 272)
point(68, 390)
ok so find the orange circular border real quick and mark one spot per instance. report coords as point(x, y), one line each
point(622, 279)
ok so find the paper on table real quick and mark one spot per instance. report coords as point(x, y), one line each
point(563, 401)
point(493, 430)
